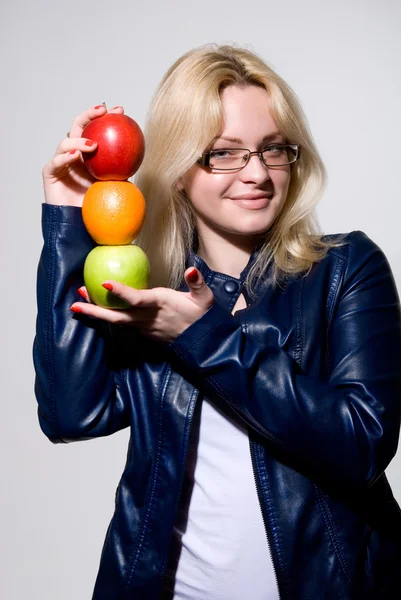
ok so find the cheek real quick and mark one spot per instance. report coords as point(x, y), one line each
point(281, 180)
point(205, 189)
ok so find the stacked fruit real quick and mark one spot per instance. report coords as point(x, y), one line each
point(113, 208)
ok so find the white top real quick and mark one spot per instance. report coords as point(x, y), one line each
point(224, 551)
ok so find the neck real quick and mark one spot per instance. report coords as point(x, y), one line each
point(225, 255)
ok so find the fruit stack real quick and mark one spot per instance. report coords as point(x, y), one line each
point(113, 208)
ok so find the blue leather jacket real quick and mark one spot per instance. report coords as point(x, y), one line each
point(312, 367)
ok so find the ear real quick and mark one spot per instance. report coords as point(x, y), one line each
point(179, 184)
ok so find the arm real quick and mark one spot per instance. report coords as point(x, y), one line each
point(77, 389)
point(344, 429)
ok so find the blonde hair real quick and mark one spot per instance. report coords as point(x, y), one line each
point(185, 115)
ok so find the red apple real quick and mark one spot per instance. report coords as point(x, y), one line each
point(120, 149)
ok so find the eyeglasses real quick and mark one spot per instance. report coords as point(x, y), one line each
point(233, 159)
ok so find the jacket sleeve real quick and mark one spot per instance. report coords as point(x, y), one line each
point(342, 429)
point(77, 389)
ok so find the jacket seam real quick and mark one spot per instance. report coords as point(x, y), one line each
point(328, 520)
point(335, 284)
point(338, 271)
point(183, 452)
point(243, 321)
point(299, 344)
point(49, 328)
point(183, 357)
point(198, 341)
point(138, 549)
point(272, 519)
point(336, 278)
point(339, 254)
point(51, 220)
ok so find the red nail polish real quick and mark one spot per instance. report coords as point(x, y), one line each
point(118, 106)
point(108, 286)
point(72, 152)
point(99, 106)
point(81, 291)
point(76, 309)
point(193, 275)
point(89, 143)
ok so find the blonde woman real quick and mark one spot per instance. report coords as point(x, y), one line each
point(259, 373)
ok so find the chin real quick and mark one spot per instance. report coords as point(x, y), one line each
point(254, 224)
point(251, 230)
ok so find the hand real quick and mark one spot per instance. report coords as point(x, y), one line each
point(159, 313)
point(65, 177)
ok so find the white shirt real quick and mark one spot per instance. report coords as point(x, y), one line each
point(219, 529)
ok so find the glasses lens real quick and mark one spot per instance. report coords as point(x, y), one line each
point(233, 158)
point(274, 155)
point(277, 155)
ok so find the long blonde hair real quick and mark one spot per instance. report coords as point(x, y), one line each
point(185, 114)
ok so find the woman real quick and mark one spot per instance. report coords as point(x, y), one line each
point(259, 374)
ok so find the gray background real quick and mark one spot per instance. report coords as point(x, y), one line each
point(343, 59)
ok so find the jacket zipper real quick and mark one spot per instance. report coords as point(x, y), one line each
point(265, 519)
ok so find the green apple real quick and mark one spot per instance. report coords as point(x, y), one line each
point(126, 264)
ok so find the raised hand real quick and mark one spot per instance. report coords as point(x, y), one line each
point(65, 177)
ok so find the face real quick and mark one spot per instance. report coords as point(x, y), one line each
point(219, 199)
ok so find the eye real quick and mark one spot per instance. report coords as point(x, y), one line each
point(219, 153)
point(274, 148)
point(223, 153)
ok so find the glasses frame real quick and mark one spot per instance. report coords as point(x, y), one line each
point(204, 159)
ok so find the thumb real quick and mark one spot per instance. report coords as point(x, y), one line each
point(197, 284)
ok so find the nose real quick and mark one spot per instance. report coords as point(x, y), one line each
point(255, 169)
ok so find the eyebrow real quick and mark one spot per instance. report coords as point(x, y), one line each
point(271, 136)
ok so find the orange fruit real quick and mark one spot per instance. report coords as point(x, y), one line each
point(113, 212)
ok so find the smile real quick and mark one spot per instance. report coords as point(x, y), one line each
point(253, 204)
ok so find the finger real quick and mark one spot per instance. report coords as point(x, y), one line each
point(86, 117)
point(81, 144)
point(59, 162)
point(200, 291)
point(117, 109)
point(115, 316)
point(69, 151)
point(106, 314)
point(84, 293)
point(136, 298)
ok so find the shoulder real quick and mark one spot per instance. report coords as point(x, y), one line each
point(354, 240)
point(354, 247)
point(362, 258)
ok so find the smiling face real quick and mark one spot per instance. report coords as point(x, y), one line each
point(216, 197)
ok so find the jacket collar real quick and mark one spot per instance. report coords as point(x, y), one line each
point(194, 260)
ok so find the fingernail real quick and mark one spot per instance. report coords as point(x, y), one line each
point(72, 152)
point(82, 292)
point(75, 309)
point(100, 106)
point(89, 143)
point(108, 286)
point(192, 275)
point(118, 106)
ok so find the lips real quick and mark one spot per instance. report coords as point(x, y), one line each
point(251, 196)
point(254, 203)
